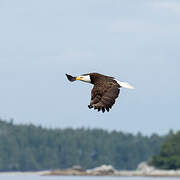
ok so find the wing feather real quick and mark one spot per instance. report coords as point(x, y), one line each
point(103, 97)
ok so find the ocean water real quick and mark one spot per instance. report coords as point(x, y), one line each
point(15, 176)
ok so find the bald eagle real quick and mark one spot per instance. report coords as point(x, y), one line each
point(105, 91)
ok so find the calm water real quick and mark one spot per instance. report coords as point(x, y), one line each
point(37, 177)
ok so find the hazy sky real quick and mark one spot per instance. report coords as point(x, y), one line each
point(135, 41)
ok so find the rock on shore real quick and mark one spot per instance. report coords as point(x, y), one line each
point(107, 170)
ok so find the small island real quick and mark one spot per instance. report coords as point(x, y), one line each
point(97, 152)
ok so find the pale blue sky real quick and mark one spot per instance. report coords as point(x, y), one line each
point(135, 41)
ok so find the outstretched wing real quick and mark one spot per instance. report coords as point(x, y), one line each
point(103, 98)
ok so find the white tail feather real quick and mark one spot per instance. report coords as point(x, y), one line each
point(125, 84)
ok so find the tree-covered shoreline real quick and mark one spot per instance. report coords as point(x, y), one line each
point(32, 148)
point(169, 156)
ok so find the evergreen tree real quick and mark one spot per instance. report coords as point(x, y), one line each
point(169, 156)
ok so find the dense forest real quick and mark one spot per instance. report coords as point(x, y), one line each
point(31, 148)
point(169, 156)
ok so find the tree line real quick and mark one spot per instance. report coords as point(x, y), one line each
point(32, 148)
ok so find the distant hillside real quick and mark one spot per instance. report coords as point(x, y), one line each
point(31, 148)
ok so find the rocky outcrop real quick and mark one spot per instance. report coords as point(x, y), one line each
point(143, 169)
point(101, 170)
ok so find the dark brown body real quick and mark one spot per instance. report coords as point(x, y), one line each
point(104, 92)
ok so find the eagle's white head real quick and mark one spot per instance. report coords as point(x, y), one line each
point(85, 78)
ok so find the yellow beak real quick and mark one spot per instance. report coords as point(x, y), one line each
point(78, 78)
